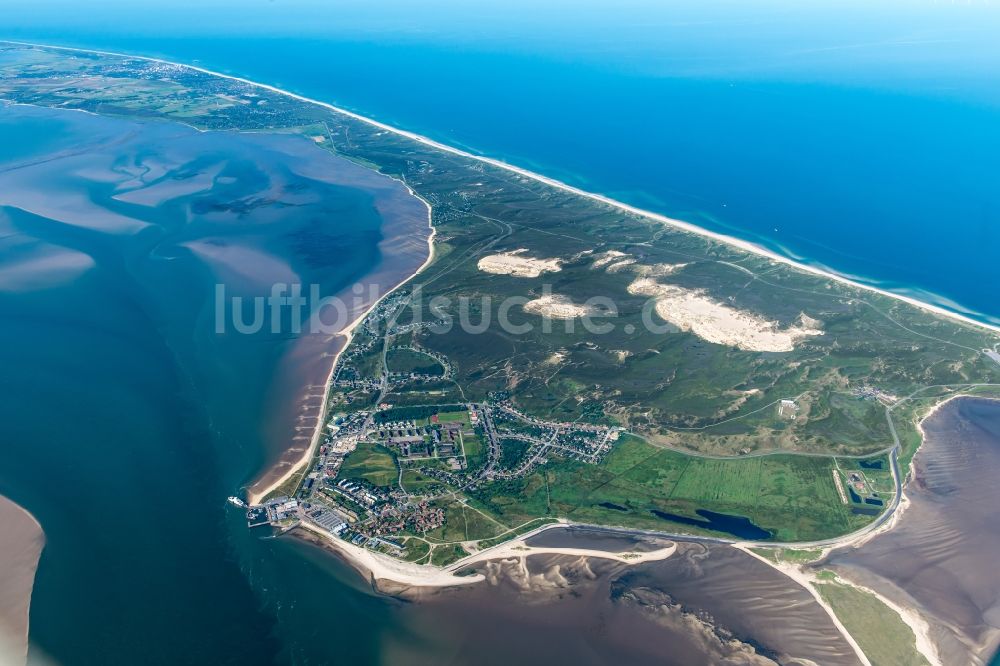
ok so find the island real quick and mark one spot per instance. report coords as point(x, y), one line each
point(562, 358)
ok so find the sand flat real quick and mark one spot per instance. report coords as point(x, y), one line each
point(19, 551)
point(939, 559)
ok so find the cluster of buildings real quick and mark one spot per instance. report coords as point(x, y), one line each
point(866, 392)
point(356, 510)
point(358, 493)
point(788, 409)
point(328, 520)
point(439, 440)
point(276, 511)
point(586, 442)
point(415, 517)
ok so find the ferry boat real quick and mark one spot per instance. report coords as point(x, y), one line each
point(236, 501)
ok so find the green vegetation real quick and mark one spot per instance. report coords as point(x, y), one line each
point(288, 488)
point(414, 413)
point(876, 358)
point(883, 636)
point(442, 556)
point(475, 451)
point(407, 361)
point(512, 452)
point(458, 416)
point(791, 555)
point(371, 462)
point(464, 521)
point(794, 497)
point(415, 484)
point(516, 532)
point(415, 550)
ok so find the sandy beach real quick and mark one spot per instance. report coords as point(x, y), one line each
point(276, 476)
point(395, 576)
point(385, 571)
point(269, 481)
point(382, 569)
point(20, 548)
point(624, 207)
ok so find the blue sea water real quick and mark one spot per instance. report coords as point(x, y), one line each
point(127, 418)
point(857, 136)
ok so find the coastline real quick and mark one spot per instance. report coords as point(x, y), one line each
point(930, 625)
point(418, 575)
point(806, 581)
point(381, 569)
point(395, 576)
point(731, 241)
point(254, 494)
point(377, 567)
point(20, 550)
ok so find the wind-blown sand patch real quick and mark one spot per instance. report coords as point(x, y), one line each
point(621, 264)
point(557, 307)
point(513, 263)
point(556, 358)
point(610, 257)
point(658, 270)
point(691, 310)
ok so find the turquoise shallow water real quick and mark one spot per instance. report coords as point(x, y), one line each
point(126, 420)
point(857, 137)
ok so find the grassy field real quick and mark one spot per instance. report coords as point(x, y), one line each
point(372, 463)
point(460, 416)
point(883, 636)
point(794, 497)
point(465, 521)
point(475, 451)
point(442, 556)
point(415, 550)
point(416, 484)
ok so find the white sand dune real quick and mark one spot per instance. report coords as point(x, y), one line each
point(691, 310)
point(557, 307)
point(618, 205)
point(658, 270)
point(514, 263)
point(604, 258)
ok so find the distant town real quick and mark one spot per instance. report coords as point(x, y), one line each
point(447, 448)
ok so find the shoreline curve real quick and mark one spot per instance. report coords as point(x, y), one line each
point(255, 495)
point(731, 241)
point(20, 551)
